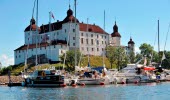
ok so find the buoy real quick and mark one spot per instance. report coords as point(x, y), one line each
point(74, 85)
point(102, 83)
point(82, 84)
point(136, 82)
point(123, 82)
point(63, 85)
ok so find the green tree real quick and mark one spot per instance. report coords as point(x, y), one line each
point(116, 55)
point(121, 57)
point(131, 57)
point(111, 54)
point(146, 49)
point(70, 59)
point(166, 61)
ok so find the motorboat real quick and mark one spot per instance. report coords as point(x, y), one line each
point(44, 78)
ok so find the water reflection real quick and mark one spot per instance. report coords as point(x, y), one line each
point(149, 91)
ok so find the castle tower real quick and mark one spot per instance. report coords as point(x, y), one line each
point(115, 36)
point(131, 44)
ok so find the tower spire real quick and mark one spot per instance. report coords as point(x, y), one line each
point(69, 4)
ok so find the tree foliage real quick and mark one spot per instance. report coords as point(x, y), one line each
point(70, 59)
point(116, 55)
point(166, 62)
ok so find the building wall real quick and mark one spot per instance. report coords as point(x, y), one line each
point(87, 42)
point(52, 52)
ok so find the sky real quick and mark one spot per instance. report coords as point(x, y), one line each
point(135, 18)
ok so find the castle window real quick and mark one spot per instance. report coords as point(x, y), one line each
point(97, 49)
point(45, 47)
point(102, 49)
point(40, 48)
point(102, 36)
point(102, 42)
point(87, 49)
point(92, 49)
point(81, 40)
point(32, 49)
point(73, 30)
point(97, 36)
point(86, 34)
point(54, 46)
point(28, 39)
point(97, 42)
point(73, 44)
point(65, 30)
point(19, 56)
point(19, 51)
point(87, 41)
point(92, 41)
point(91, 35)
point(81, 34)
point(16, 57)
point(57, 33)
point(73, 38)
point(61, 46)
point(105, 37)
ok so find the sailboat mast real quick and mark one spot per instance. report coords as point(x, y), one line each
point(88, 43)
point(36, 33)
point(104, 31)
point(158, 38)
point(75, 34)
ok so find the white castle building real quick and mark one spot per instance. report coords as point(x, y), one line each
point(50, 41)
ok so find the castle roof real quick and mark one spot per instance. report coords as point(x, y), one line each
point(115, 31)
point(69, 18)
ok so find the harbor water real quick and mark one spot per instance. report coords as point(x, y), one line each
point(149, 91)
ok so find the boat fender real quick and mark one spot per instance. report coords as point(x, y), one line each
point(102, 83)
point(123, 82)
point(74, 85)
point(63, 85)
point(136, 82)
point(82, 84)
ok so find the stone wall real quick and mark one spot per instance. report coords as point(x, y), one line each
point(14, 79)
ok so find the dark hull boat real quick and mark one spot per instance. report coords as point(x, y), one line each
point(44, 78)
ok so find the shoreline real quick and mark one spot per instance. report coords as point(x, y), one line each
point(4, 80)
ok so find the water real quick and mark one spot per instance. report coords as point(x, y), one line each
point(150, 91)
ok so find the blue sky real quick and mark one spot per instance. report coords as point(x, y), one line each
point(136, 18)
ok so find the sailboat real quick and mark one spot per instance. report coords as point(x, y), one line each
point(46, 77)
point(93, 76)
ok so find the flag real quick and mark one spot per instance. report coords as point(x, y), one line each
point(52, 16)
point(163, 56)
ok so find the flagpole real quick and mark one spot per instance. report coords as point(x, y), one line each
point(36, 32)
point(75, 35)
point(49, 21)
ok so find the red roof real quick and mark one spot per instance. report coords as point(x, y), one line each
point(91, 28)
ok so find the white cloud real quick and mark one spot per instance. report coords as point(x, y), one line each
point(6, 60)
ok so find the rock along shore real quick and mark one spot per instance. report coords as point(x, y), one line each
point(14, 79)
